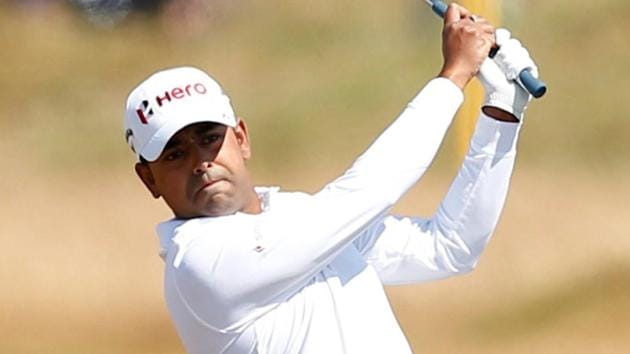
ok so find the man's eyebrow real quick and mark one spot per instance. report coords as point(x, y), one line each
point(207, 127)
point(201, 129)
point(173, 142)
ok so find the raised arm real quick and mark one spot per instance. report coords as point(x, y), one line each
point(414, 249)
point(398, 158)
point(406, 249)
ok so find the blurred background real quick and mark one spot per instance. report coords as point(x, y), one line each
point(316, 82)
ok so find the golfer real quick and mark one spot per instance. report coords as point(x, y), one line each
point(252, 269)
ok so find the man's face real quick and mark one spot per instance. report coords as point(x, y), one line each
point(202, 172)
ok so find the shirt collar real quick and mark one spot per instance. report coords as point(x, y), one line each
point(166, 230)
point(264, 194)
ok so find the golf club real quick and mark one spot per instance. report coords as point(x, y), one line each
point(534, 86)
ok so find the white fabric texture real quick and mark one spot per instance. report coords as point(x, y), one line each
point(512, 57)
point(498, 75)
point(306, 275)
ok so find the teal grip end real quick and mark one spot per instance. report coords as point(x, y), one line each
point(534, 86)
point(439, 7)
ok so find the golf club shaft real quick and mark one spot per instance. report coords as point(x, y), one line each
point(534, 86)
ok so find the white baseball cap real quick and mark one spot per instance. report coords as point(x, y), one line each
point(168, 101)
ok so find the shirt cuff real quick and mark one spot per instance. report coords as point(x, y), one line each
point(495, 135)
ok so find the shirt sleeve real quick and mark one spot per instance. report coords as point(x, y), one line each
point(412, 249)
point(227, 283)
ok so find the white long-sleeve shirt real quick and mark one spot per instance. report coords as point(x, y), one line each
point(306, 275)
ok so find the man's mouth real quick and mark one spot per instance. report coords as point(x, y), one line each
point(208, 184)
point(207, 181)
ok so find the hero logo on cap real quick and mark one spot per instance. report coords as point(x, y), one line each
point(144, 113)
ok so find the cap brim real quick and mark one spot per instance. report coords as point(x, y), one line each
point(154, 147)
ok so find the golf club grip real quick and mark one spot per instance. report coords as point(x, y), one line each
point(439, 7)
point(534, 86)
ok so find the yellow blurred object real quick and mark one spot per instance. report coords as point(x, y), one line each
point(467, 117)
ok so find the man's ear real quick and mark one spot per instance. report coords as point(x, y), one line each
point(242, 137)
point(146, 176)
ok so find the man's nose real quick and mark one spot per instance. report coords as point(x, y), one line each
point(202, 161)
point(201, 167)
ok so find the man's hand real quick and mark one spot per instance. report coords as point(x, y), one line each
point(466, 42)
point(504, 98)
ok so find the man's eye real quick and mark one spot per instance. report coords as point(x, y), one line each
point(174, 155)
point(209, 139)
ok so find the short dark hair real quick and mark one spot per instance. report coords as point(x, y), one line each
point(143, 160)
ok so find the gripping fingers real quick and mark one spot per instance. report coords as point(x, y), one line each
point(454, 13)
point(460, 11)
point(502, 35)
point(513, 58)
point(483, 24)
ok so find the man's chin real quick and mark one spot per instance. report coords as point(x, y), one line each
point(206, 211)
point(218, 209)
point(213, 213)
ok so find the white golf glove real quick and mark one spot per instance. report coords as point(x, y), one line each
point(499, 75)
